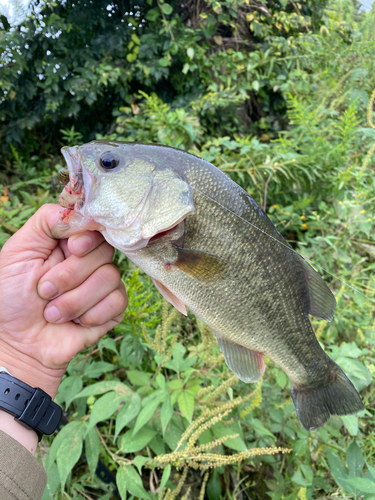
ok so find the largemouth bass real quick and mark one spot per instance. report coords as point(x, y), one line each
point(208, 246)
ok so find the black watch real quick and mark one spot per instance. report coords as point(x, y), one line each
point(30, 406)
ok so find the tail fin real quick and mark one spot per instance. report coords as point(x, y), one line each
point(314, 405)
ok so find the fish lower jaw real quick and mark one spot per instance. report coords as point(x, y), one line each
point(72, 222)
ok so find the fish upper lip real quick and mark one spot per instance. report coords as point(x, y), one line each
point(75, 169)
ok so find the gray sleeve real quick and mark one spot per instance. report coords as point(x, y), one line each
point(22, 477)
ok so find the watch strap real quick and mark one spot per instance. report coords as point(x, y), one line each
point(30, 406)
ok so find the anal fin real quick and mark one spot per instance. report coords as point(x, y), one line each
point(246, 364)
point(171, 297)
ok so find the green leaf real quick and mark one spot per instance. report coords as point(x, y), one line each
point(160, 380)
point(128, 479)
point(131, 444)
point(255, 85)
point(337, 468)
point(121, 479)
point(214, 486)
point(96, 369)
point(190, 52)
point(138, 378)
point(153, 14)
point(109, 344)
point(69, 452)
point(351, 424)
point(129, 411)
point(103, 387)
point(371, 470)
point(355, 460)
point(164, 62)
point(259, 428)
point(104, 408)
point(175, 384)
point(165, 476)
point(338, 472)
point(147, 413)
point(166, 413)
point(157, 445)
point(92, 450)
point(139, 462)
point(178, 363)
point(186, 404)
point(281, 379)
point(73, 390)
point(72, 428)
point(304, 476)
point(299, 479)
point(166, 8)
point(220, 430)
point(362, 484)
point(53, 482)
point(173, 436)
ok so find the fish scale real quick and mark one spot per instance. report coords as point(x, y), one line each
point(209, 246)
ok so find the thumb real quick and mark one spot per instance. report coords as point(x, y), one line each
point(34, 240)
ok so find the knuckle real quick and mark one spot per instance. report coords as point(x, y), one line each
point(88, 319)
point(106, 251)
point(118, 301)
point(66, 276)
point(110, 273)
point(69, 305)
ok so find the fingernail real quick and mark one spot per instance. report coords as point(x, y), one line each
point(46, 290)
point(52, 314)
point(82, 244)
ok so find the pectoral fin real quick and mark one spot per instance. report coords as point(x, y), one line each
point(322, 300)
point(246, 364)
point(201, 265)
point(168, 295)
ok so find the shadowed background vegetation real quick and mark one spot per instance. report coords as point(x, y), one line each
point(280, 96)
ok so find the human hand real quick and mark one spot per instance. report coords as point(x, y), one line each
point(56, 299)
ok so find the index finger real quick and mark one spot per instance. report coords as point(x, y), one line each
point(83, 243)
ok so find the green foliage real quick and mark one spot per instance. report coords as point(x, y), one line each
point(280, 96)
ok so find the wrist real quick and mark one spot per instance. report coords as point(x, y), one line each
point(30, 370)
point(27, 437)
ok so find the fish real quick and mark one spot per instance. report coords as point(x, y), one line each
point(209, 247)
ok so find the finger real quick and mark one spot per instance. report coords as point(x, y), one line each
point(82, 244)
point(78, 338)
point(34, 240)
point(111, 307)
point(91, 336)
point(76, 302)
point(73, 271)
point(63, 244)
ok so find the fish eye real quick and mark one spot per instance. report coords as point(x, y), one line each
point(63, 175)
point(109, 160)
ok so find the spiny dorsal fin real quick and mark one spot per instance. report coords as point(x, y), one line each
point(322, 300)
point(247, 365)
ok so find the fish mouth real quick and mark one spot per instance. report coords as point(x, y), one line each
point(72, 199)
point(73, 195)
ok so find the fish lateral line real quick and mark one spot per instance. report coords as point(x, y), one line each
point(283, 244)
